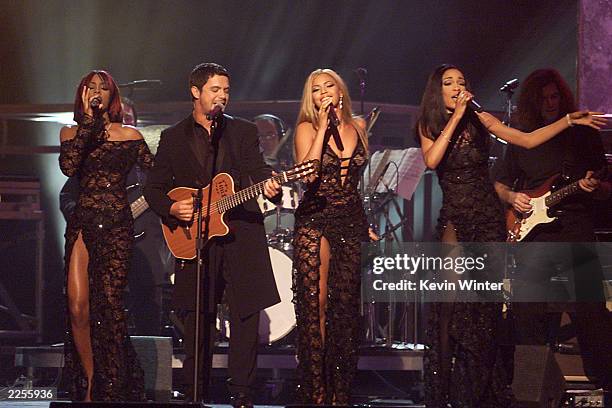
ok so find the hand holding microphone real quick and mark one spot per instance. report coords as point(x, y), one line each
point(96, 103)
point(90, 105)
point(333, 118)
point(334, 122)
point(466, 100)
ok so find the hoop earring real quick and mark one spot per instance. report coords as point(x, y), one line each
point(341, 102)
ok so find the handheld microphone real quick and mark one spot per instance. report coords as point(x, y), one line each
point(334, 122)
point(475, 106)
point(510, 85)
point(215, 112)
point(333, 118)
point(95, 102)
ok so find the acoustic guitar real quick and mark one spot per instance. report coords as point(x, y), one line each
point(182, 239)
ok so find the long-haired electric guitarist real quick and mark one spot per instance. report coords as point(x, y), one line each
point(542, 213)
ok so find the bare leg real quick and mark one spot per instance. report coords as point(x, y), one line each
point(324, 256)
point(78, 304)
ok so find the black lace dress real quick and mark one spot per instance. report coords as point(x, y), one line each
point(332, 209)
point(464, 365)
point(103, 217)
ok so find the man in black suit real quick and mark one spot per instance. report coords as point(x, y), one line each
point(188, 156)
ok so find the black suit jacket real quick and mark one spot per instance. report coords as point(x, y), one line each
point(245, 251)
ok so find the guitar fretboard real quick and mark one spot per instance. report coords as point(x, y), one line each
point(557, 196)
point(229, 202)
point(560, 194)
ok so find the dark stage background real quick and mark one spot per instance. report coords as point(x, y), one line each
point(269, 48)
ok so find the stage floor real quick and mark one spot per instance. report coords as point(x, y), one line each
point(45, 404)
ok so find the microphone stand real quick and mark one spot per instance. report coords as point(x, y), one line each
point(203, 231)
point(196, 344)
point(361, 73)
point(508, 93)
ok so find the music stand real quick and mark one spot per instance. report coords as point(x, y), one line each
point(397, 174)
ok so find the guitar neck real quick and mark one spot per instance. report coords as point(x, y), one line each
point(557, 196)
point(242, 196)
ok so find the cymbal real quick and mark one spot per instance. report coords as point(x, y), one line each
point(151, 135)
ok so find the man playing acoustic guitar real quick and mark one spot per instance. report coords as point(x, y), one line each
point(206, 143)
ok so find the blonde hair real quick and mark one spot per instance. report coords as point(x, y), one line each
point(309, 112)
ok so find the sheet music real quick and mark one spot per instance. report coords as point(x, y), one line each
point(410, 165)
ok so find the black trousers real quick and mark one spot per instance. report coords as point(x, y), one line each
point(573, 256)
point(242, 358)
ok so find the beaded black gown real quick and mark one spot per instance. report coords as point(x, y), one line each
point(464, 365)
point(331, 208)
point(103, 218)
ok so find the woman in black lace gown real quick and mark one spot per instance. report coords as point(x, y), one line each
point(100, 362)
point(330, 225)
point(463, 363)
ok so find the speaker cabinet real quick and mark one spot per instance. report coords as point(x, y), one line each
point(538, 381)
point(155, 356)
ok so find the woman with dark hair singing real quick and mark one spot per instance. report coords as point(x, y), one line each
point(100, 362)
point(463, 361)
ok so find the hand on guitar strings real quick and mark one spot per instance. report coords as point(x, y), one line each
point(271, 187)
point(521, 202)
point(183, 210)
point(588, 183)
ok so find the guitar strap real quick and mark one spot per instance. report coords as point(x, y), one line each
point(570, 156)
point(140, 176)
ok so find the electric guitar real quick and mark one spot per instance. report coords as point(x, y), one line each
point(182, 239)
point(544, 197)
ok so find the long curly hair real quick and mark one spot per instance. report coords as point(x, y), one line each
point(115, 113)
point(529, 106)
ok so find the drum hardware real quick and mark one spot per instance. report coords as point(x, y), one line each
point(279, 218)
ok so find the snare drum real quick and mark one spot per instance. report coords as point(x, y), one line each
point(279, 219)
point(278, 320)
